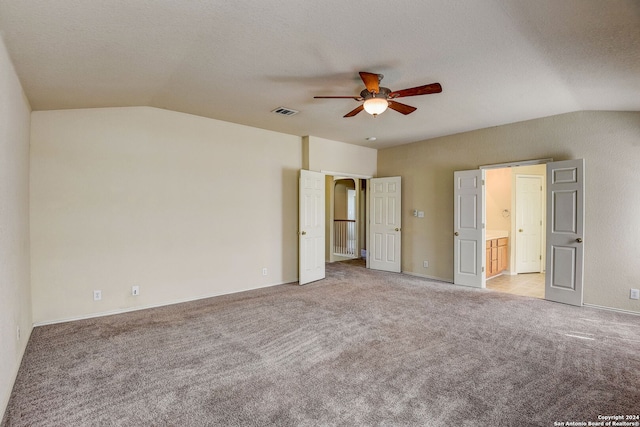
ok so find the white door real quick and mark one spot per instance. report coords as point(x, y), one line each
point(528, 236)
point(385, 223)
point(565, 232)
point(469, 258)
point(311, 234)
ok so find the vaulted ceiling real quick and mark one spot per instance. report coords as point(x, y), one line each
point(499, 61)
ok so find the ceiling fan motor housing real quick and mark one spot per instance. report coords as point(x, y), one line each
point(383, 93)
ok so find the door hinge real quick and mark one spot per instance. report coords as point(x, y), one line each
point(482, 181)
point(540, 257)
point(483, 269)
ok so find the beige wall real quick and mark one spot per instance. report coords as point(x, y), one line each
point(337, 158)
point(608, 141)
point(498, 198)
point(324, 155)
point(15, 293)
point(183, 206)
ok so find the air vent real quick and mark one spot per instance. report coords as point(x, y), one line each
point(283, 111)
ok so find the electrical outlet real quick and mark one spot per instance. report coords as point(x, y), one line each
point(635, 294)
point(97, 295)
point(264, 271)
point(135, 291)
point(425, 264)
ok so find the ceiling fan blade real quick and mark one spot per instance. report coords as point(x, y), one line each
point(371, 81)
point(354, 111)
point(420, 90)
point(357, 98)
point(401, 108)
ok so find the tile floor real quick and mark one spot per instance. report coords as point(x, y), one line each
point(530, 284)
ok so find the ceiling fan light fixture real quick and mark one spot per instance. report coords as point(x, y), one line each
point(378, 98)
point(375, 106)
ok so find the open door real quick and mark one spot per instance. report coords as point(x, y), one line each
point(565, 232)
point(312, 228)
point(469, 257)
point(385, 224)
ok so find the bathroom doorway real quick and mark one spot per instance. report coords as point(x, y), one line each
point(515, 224)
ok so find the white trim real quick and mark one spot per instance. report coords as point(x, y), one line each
point(618, 310)
point(128, 310)
point(516, 164)
point(145, 307)
point(346, 175)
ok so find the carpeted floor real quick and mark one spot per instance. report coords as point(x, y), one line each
point(358, 348)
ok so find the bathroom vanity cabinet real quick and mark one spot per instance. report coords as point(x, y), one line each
point(497, 254)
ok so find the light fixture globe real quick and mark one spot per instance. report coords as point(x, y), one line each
point(375, 106)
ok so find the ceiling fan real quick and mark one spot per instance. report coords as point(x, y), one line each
point(377, 98)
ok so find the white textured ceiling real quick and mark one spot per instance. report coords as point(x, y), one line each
point(499, 61)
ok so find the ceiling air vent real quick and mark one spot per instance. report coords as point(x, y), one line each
point(283, 111)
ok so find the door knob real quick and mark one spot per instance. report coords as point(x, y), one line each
point(579, 240)
point(520, 230)
point(397, 229)
point(303, 233)
point(456, 234)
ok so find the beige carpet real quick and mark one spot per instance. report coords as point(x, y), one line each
point(359, 348)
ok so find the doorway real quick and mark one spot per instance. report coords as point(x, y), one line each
point(350, 220)
point(345, 220)
point(364, 220)
point(564, 238)
point(346, 224)
point(515, 206)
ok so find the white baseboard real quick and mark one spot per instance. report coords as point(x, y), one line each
point(130, 309)
point(145, 307)
point(618, 310)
